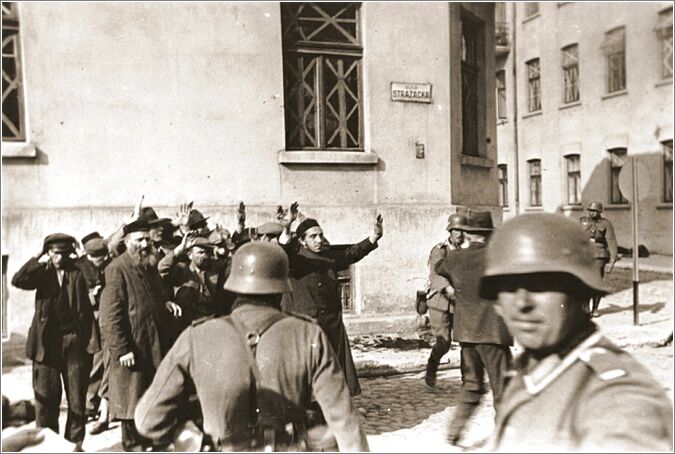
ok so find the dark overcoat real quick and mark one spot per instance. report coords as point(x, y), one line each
point(316, 294)
point(132, 317)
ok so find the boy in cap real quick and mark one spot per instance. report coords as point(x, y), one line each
point(572, 389)
point(60, 339)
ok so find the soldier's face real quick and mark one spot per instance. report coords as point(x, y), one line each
point(594, 214)
point(456, 237)
point(313, 239)
point(540, 310)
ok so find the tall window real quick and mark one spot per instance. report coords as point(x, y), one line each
point(617, 158)
point(472, 56)
point(534, 169)
point(5, 321)
point(503, 185)
point(570, 67)
point(501, 95)
point(614, 48)
point(322, 76)
point(573, 179)
point(664, 29)
point(533, 85)
point(668, 171)
point(531, 8)
point(13, 125)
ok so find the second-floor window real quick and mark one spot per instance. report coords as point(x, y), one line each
point(501, 95)
point(573, 179)
point(614, 48)
point(472, 67)
point(534, 170)
point(502, 175)
point(322, 56)
point(13, 124)
point(533, 85)
point(570, 67)
point(617, 158)
point(664, 29)
point(668, 171)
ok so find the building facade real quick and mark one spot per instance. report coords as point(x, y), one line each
point(582, 88)
point(350, 109)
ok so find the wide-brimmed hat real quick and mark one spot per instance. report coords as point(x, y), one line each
point(148, 213)
point(139, 225)
point(477, 222)
point(195, 218)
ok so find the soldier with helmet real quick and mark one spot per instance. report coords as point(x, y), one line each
point(572, 389)
point(605, 249)
point(255, 372)
point(441, 306)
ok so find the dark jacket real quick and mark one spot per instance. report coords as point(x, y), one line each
point(42, 278)
point(595, 398)
point(436, 282)
point(601, 234)
point(475, 318)
point(295, 360)
point(132, 318)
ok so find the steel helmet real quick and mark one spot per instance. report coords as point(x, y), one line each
point(541, 243)
point(259, 269)
point(456, 221)
point(595, 206)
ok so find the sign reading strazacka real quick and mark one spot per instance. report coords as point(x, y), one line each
point(409, 92)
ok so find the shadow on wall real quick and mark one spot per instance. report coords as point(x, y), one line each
point(655, 225)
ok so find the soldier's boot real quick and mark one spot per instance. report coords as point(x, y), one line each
point(432, 369)
point(456, 427)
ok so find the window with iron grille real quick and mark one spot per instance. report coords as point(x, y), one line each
point(345, 289)
point(531, 8)
point(503, 185)
point(570, 67)
point(13, 122)
point(664, 29)
point(501, 95)
point(533, 85)
point(471, 73)
point(573, 179)
point(614, 48)
point(617, 158)
point(534, 169)
point(322, 56)
point(668, 171)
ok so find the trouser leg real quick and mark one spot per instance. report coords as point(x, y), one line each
point(47, 389)
point(497, 360)
point(132, 441)
point(600, 266)
point(473, 387)
point(77, 365)
point(441, 327)
point(95, 380)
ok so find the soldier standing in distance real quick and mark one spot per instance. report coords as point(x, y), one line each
point(441, 306)
point(572, 389)
point(605, 249)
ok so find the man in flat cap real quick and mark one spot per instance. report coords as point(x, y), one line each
point(60, 339)
point(269, 231)
point(133, 316)
point(93, 264)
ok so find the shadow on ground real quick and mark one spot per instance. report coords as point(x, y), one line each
point(622, 279)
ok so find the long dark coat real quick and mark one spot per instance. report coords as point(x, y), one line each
point(41, 277)
point(132, 317)
point(316, 294)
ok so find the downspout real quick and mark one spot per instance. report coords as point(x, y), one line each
point(516, 163)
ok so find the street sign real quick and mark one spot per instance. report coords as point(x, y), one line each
point(644, 180)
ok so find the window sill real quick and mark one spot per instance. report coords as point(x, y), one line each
point(476, 161)
point(534, 208)
point(532, 17)
point(328, 157)
point(615, 94)
point(572, 104)
point(664, 83)
point(506, 209)
point(618, 206)
point(572, 207)
point(502, 122)
point(533, 114)
point(19, 150)
point(665, 206)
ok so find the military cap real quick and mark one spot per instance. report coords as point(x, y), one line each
point(59, 242)
point(96, 247)
point(139, 225)
point(306, 225)
point(195, 218)
point(148, 213)
point(90, 236)
point(455, 220)
point(270, 228)
point(595, 206)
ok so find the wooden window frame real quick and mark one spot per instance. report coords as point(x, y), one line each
point(573, 186)
point(533, 67)
point(535, 191)
point(664, 30)
point(570, 68)
point(11, 38)
point(503, 177)
point(614, 48)
point(502, 111)
point(617, 159)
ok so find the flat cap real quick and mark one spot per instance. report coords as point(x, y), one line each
point(96, 247)
point(60, 242)
point(90, 236)
point(201, 242)
point(270, 228)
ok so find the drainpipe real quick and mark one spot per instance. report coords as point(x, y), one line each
point(514, 61)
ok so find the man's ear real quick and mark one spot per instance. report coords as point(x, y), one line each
point(301, 240)
point(498, 308)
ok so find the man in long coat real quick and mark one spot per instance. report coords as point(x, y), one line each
point(60, 340)
point(313, 272)
point(131, 316)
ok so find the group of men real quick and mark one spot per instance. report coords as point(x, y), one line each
point(242, 337)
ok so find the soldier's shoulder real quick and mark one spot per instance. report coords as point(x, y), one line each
point(609, 362)
point(302, 317)
point(202, 320)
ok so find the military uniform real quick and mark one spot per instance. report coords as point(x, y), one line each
point(605, 249)
point(295, 360)
point(596, 397)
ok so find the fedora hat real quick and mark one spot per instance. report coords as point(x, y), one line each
point(195, 218)
point(477, 222)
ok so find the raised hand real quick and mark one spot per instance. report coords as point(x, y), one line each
point(378, 231)
point(174, 309)
point(183, 214)
point(137, 208)
point(241, 216)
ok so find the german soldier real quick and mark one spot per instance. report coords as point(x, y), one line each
point(441, 306)
point(254, 371)
point(605, 249)
point(572, 389)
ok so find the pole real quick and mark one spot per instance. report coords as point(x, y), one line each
point(516, 163)
point(636, 271)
